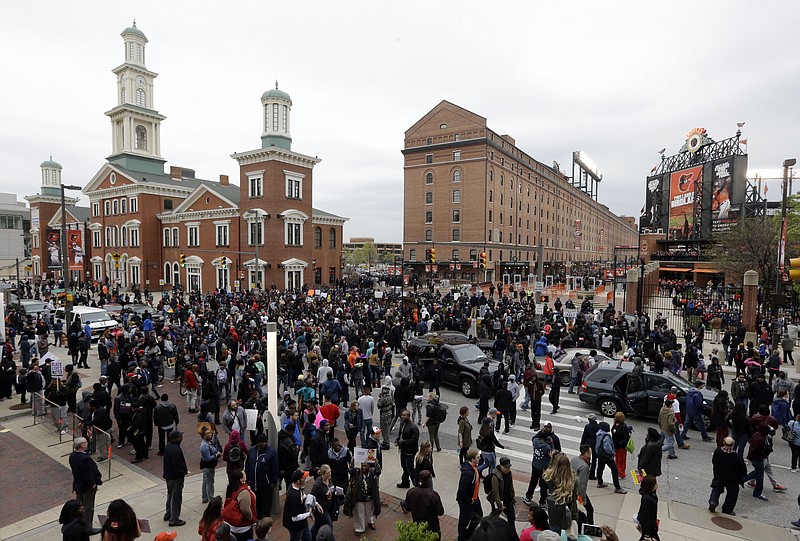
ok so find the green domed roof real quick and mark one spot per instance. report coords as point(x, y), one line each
point(275, 93)
point(133, 30)
point(51, 164)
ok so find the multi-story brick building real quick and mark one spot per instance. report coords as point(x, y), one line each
point(468, 189)
point(146, 228)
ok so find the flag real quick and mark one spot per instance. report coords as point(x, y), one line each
point(743, 141)
point(641, 212)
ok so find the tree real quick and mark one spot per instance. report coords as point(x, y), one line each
point(752, 244)
point(365, 255)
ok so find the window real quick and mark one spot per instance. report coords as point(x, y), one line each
point(501, 199)
point(98, 271)
point(490, 196)
point(332, 238)
point(428, 235)
point(141, 138)
point(176, 241)
point(256, 186)
point(256, 233)
point(275, 117)
point(108, 237)
point(167, 237)
point(294, 188)
point(96, 239)
point(140, 98)
point(193, 235)
point(473, 255)
point(222, 234)
point(134, 232)
point(115, 236)
point(285, 119)
point(429, 198)
point(222, 278)
point(428, 158)
point(115, 207)
point(501, 218)
point(456, 216)
point(107, 208)
point(456, 155)
point(428, 217)
point(501, 179)
point(454, 255)
point(429, 178)
point(294, 279)
point(490, 216)
point(167, 204)
point(95, 209)
point(456, 176)
point(124, 235)
point(176, 274)
point(456, 196)
point(317, 237)
point(122, 94)
point(134, 206)
point(293, 234)
point(442, 126)
point(456, 235)
point(167, 273)
point(412, 255)
point(457, 137)
point(430, 140)
point(123, 206)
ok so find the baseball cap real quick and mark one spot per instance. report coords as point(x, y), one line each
point(375, 430)
point(505, 461)
point(592, 417)
point(298, 475)
point(166, 536)
point(547, 423)
point(493, 411)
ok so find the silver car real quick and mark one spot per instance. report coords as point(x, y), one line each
point(564, 363)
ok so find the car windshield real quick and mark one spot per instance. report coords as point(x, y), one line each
point(97, 316)
point(469, 354)
point(678, 382)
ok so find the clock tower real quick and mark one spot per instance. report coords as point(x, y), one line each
point(135, 124)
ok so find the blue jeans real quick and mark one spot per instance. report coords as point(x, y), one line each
point(695, 420)
point(527, 402)
point(489, 462)
point(740, 442)
point(366, 430)
point(574, 382)
point(300, 535)
point(669, 444)
point(758, 475)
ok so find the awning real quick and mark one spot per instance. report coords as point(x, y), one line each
point(708, 271)
point(676, 269)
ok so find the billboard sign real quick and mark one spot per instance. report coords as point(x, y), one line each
point(683, 187)
point(53, 249)
point(75, 250)
point(724, 211)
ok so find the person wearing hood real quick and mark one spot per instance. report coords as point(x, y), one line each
point(760, 449)
point(650, 454)
point(235, 460)
point(604, 448)
point(405, 368)
point(386, 409)
point(331, 388)
point(783, 382)
point(288, 452)
point(263, 474)
point(589, 437)
point(544, 446)
point(540, 348)
point(234, 418)
point(505, 405)
point(787, 345)
point(694, 412)
point(729, 469)
point(468, 496)
point(323, 373)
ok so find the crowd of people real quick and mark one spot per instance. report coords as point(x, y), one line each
point(342, 403)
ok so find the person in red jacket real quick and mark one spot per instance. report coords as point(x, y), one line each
point(191, 383)
point(760, 448)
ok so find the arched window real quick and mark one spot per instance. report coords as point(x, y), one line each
point(141, 97)
point(332, 238)
point(429, 198)
point(141, 138)
point(115, 235)
point(318, 237)
point(108, 236)
point(167, 273)
point(456, 196)
point(429, 178)
point(122, 95)
point(456, 176)
point(176, 274)
point(491, 175)
point(124, 234)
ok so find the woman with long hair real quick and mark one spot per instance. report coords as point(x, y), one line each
point(620, 433)
point(211, 519)
point(648, 508)
point(73, 525)
point(324, 491)
point(352, 424)
point(424, 460)
point(245, 500)
point(562, 489)
point(121, 523)
point(464, 434)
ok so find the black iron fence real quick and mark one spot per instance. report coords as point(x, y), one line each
point(686, 305)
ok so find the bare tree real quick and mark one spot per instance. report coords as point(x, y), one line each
point(752, 244)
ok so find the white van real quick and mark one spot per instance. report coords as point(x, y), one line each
point(99, 319)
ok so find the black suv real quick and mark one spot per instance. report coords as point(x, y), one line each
point(460, 362)
point(608, 386)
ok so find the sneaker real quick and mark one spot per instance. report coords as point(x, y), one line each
point(795, 523)
point(64, 431)
point(762, 498)
point(119, 446)
point(684, 446)
point(779, 488)
point(671, 457)
point(602, 485)
point(793, 470)
point(620, 491)
point(709, 439)
point(712, 507)
point(133, 452)
point(527, 501)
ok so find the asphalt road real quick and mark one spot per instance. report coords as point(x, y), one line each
point(685, 480)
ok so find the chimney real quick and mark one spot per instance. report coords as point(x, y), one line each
point(175, 172)
point(223, 180)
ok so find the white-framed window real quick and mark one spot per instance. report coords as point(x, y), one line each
point(223, 278)
point(457, 175)
point(256, 277)
point(115, 207)
point(294, 279)
point(141, 99)
point(428, 235)
point(332, 238)
point(255, 183)
point(35, 239)
point(97, 271)
point(456, 196)
point(194, 277)
point(222, 234)
point(135, 274)
point(134, 204)
point(176, 273)
point(115, 235)
point(294, 235)
point(455, 255)
point(429, 217)
point(96, 239)
point(123, 206)
point(176, 237)
point(412, 254)
point(134, 232)
point(456, 216)
point(141, 135)
point(167, 273)
point(167, 237)
point(456, 235)
point(108, 237)
point(255, 233)
point(193, 235)
point(429, 178)
point(456, 155)
point(124, 235)
point(429, 198)
point(107, 208)
point(95, 209)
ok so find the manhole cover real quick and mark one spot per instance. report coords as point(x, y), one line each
point(727, 523)
point(18, 407)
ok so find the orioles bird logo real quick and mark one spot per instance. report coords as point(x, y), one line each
point(685, 182)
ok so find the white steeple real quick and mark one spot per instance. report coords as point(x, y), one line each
point(277, 119)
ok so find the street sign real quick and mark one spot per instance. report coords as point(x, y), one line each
point(539, 310)
point(117, 256)
point(538, 286)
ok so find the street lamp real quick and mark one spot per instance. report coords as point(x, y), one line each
point(257, 215)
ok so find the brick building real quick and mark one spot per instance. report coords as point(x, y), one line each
point(146, 228)
point(468, 189)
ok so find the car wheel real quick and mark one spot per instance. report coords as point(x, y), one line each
point(565, 379)
point(608, 407)
point(468, 387)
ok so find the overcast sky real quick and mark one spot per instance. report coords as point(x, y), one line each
point(618, 80)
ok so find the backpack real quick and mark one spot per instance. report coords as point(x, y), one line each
point(439, 413)
point(487, 484)
point(601, 448)
point(235, 454)
point(479, 443)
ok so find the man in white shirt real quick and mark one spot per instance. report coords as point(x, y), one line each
point(367, 406)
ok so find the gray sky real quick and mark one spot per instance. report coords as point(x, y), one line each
point(618, 80)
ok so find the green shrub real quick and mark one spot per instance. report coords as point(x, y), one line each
point(414, 531)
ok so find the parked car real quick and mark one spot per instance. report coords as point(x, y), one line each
point(564, 363)
point(99, 320)
point(30, 307)
point(114, 309)
point(608, 387)
point(136, 312)
point(460, 363)
point(459, 337)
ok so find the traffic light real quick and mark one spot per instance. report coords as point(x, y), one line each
point(482, 260)
point(433, 255)
point(183, 260)
point(794, 271)
point(544, 299)
point(224, 262)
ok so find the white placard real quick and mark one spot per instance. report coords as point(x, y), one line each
point(571, 313)
point(212, 366)
point(365, 455)
point(56, 369)
point(539, 310)
point(49, 355)
point(252, 418)
point(538, 286)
